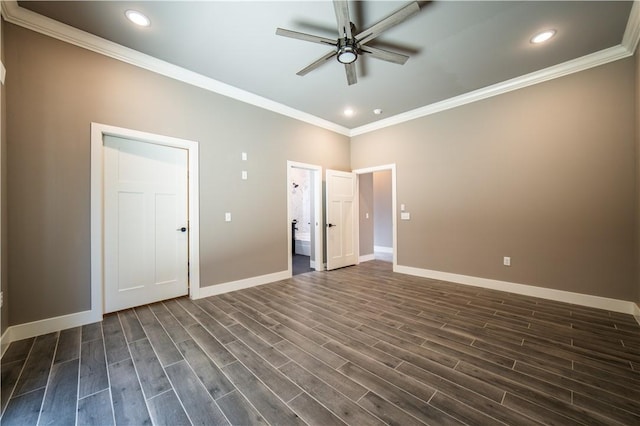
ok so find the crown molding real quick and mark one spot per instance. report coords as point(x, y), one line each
point(631, 35)
point(41, 24)
point(17, 15)
point(580, 64)
point(625, 49)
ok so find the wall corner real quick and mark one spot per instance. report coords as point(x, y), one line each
point(4, 311)
point(637, 152)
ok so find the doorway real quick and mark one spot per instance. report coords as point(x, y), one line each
point(304, 224)
point(187, 154)
point(377, 217)
point(382, 212)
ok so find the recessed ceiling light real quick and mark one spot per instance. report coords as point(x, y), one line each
point(377, 111)
point(543, 36)
point(137, 18)
point(348, 112)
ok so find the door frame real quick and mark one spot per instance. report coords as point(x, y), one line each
point(317, 206)
point(98, 131)
point(394, 215)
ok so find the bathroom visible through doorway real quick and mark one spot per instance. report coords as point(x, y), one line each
point(305, 219)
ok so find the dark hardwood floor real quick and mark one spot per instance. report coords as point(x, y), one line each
point(359, 346)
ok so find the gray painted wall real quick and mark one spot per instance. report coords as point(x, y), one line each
point(3, 197)
point(55, 90)
point(637, 114)
point(382, 209)
point(545, 174)
point(365, 190)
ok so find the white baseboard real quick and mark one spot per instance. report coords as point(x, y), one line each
point(241, 284)
point(48, 325)
point(608, 304)
point(383, 249)
point(367, 257)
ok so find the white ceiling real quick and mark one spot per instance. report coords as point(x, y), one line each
point(455, 47)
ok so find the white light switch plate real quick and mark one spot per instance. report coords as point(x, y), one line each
point(227, 217)
point(244, 175)
point(244, 156)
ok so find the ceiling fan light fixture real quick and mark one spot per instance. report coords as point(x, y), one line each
point(350, 44)
point(347, 54)
point(137, 18)
point(543, 36)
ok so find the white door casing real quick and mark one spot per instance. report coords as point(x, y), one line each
point(145, 211)
point(342, 216)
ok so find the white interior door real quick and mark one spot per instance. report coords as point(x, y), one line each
point(342, 247)
point(145, 223)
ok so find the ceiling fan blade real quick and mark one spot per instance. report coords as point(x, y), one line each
point(317, 63)
point(305, 37)
point(390, 21)
point(351, 73)
point(385, 55)
point(342, 17)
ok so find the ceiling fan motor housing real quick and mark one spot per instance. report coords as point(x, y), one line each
point(347, 51)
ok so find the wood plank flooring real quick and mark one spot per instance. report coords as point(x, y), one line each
point(357, 346)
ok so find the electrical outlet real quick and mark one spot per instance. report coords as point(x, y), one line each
point(506, 261)
point(244, 175)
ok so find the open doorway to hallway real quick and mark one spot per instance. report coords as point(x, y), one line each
point(376, 215)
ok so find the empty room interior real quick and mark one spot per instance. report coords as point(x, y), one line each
point(347, 212)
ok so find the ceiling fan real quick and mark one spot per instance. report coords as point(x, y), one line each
point(349, 44)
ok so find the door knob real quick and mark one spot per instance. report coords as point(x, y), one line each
point(183, 229)
point(330, 225)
